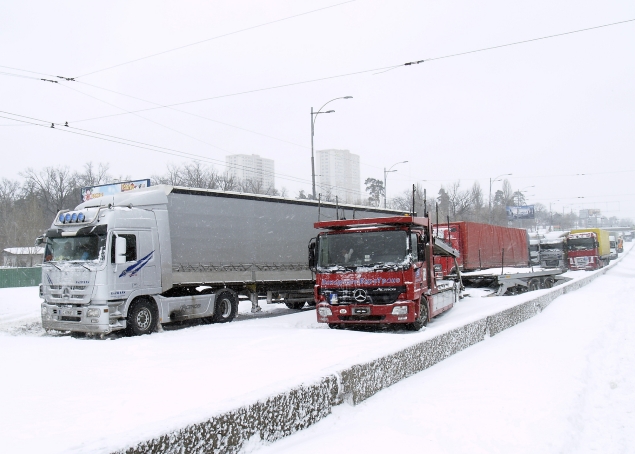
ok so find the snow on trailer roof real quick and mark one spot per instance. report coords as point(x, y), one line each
point(157, 194)
point(368, 222)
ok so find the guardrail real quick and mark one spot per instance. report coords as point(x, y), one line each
point(20, 277)
point(283, 414)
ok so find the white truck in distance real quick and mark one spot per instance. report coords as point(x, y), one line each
point(553, 250)
point(166, 254)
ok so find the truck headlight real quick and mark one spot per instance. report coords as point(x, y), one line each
point(324, 311)
point(44, 310)
point(93, 312)
point(400, 310)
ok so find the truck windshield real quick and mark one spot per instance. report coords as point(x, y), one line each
point(88, 248)
point(581, 244)
point(362, 248)
point(559, 246)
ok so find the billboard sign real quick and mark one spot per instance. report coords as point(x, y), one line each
point(590, 213)
point(523, 212)
point(93, 192)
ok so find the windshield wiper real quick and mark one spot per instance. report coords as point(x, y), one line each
point(53, 263)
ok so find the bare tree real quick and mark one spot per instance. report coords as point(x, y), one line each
point(54, 187)
point(227, 181)
point(9, 194)
point(478, 203)
point(94, 177)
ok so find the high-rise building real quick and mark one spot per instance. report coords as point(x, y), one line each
point(338, 175)
point(253, 168)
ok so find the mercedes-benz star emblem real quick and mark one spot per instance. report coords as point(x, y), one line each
point(359, 295)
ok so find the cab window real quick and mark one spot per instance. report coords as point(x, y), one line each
point(131, 247)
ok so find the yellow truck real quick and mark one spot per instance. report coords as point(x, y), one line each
point(589, 249)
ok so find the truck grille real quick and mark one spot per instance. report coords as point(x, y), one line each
point(551, 263)
point(581, 261)
point(361, 318)
point(377, 295)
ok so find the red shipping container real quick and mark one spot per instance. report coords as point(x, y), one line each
point(482, 246)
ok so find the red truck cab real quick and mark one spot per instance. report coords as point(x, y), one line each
point(584, 252)
point(379, 271)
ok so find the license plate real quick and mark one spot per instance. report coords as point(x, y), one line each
point(361, 310)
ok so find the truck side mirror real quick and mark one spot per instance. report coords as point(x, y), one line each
point(120, 250)
point(421, 252)
point(312, 254)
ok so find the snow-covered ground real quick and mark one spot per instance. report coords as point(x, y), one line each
point(562, 382)
point(62, 394)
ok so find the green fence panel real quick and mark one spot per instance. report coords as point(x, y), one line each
point(20, 277)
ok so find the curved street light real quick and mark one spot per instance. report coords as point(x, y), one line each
point(388, 171)
point(490, 193)
point(313, 119)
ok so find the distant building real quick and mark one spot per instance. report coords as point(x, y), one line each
point(22, 256)
point(252, 167)
point(338, 175)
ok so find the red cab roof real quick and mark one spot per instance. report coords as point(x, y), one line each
point(369, 222)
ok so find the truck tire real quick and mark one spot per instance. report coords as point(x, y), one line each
point(533, 284)
point(295, 306)
point(548, 282)
point(142, 317)
point(423, 317)
point(225, 307)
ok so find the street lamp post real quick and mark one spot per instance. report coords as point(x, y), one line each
point(386, 172)
point(490, 193)
point(520, 191)
point(313, 119)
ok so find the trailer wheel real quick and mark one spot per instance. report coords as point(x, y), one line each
point(422, 320)
point(548, 282)
point(295, 306)
point(225, 307)
point(142, 318)
point(533, 284)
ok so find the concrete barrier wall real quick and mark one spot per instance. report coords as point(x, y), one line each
point(294, 410)
point(271, 419)
point(361, 381)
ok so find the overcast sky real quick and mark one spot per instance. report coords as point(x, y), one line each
point(545, 111)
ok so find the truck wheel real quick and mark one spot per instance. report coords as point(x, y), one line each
point(533, 284)
point(142, 318)
point(295, 306)
point(423, 317)
point(548, 282)
point(225, 307)
point(335, 325)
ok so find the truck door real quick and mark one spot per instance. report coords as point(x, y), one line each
point(150, 272)
point(125, 276)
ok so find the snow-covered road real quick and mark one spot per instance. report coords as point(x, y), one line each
point(561, 382)
point(62, 394)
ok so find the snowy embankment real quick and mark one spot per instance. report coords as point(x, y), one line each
point(88, 395)
point(563, 382)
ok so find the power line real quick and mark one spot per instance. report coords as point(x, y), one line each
point(138, 144)
point(149, 120)
point(391, 67)
point(216, 37)
point(27, 71)
point(195, 115)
